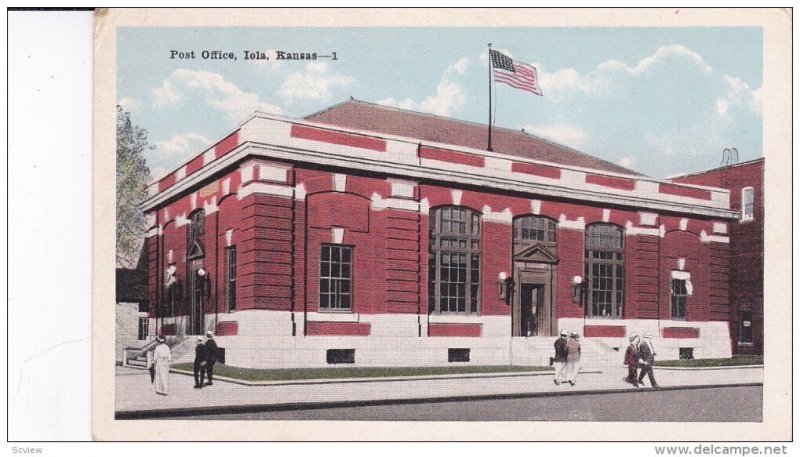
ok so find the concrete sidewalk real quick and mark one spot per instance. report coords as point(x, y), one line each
point(136, 397)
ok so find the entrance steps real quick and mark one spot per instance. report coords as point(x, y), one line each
point(538, 351)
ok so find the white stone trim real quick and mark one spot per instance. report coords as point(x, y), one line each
point(193, 200)
point(424, 206)
point(662, 230)
point(631, 230)
point(454, 319)
point(300, 191)
point(228, 237)
point(246, 172)
point(150, 219)
point(719, 228)
point(273, 172)
point(402, 188)
point(578, 224)
point(181, 220)
point(339, 182)
point(166, 213)
point(684, 275)
point(456, 194)
point(536, 206)
point(498, 163)
point(379, 203)
point(606, 215)
point(180, 173)
point(681, 265)
point(226, 186)
point(684, 223)
point(209, 156)
point(502, 217)
point(647, 218)
point(332, 317)
point(169, 255)
point(264, 188)
point(706, 238)
point(337, 235)
point(210, 206)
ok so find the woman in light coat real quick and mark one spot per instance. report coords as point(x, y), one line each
point(162, 358)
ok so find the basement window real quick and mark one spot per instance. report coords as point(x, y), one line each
point(458, 355)
point(686, 353)
point(336, 356)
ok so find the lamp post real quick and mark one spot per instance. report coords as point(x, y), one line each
point(578, 289)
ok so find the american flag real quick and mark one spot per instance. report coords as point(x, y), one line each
point(516, 74)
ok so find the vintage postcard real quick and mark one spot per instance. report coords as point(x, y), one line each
point(447, 224)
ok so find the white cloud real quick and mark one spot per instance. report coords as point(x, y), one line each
point(316, 83)
point(182, 146)
point(627, 162)
point(722, 106)
point(129, 103)
point(450, 95)
point(218, 93)
point(566, 134)
point(608, 73)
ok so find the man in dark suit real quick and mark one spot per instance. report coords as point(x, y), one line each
point(211, 356)
point(560, 359)
point(199, 363)
point(647, 356)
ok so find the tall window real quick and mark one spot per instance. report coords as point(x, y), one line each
point(230, 280)
point(745, 326)
point(143, 328)
point(748, 203)
point(454, 260)
point(194, 235)
point(679, 297)
point(335, 278)
point(604, 271)
point(535, 228)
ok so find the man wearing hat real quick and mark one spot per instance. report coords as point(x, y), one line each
point(632, 360)
point(162, 358)
point(573, 358)
point(647, 356)
point(211, 356)
point(199, 363)
point(560, 359)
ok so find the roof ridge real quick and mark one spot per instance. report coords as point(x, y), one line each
point(477, 124)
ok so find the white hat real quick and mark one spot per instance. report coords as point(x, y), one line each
point(563, 333)
point(574, 335)
point(209, 334)
point(199, 338)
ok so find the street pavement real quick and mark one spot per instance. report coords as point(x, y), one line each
point(709, 404)
point(136, 397)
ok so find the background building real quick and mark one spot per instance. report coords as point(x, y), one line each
point(746, 183)
point(377, 236)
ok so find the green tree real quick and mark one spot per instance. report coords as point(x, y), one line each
point(133, 178)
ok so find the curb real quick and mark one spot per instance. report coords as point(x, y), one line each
point(731, 367)
point(238, 409)
point(378, 379)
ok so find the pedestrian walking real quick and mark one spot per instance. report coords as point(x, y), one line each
point(647, 355)
point(573, 358)
point(560, 359)
point(632, 360)
point(162, 358)
point(212, 354)
point(199, 363)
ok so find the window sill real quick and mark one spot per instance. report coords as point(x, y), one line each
point(742, 343)
point(454, 319)
point(332, 316)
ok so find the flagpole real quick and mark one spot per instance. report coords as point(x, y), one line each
point(489, 146)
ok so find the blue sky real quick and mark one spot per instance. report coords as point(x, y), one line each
point(661, 101)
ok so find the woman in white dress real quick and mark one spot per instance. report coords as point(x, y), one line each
point(162, 358)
